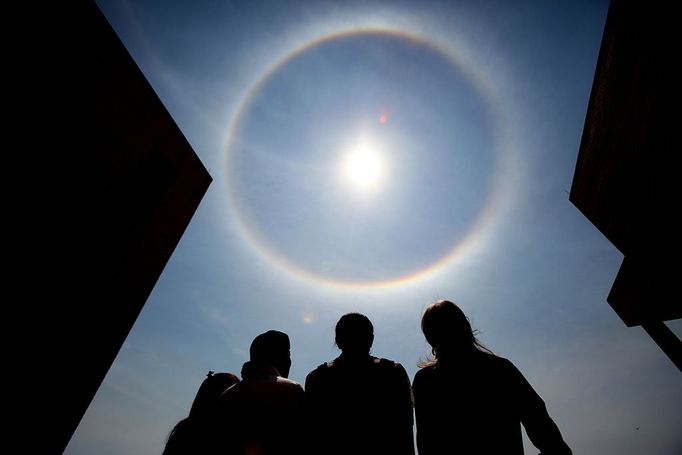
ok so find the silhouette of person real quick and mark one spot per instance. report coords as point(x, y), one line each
point(357, 403)
point(192, 435)
point(470, 401)
point(262, 414)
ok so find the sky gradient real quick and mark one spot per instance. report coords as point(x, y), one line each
point(476, 111)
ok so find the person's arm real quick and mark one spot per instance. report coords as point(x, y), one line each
point(312, 413)
point(426, 414)
point(540, 428)
point(299, 426)
point(404, 414)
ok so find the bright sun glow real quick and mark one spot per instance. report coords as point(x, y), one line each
point(363, 167)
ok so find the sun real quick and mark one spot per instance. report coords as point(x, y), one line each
point(363, 167)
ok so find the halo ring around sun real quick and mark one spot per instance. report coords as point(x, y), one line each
point(484, 219)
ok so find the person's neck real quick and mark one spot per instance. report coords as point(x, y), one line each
point(354, 356)
point(258, 371)
point(456, 355)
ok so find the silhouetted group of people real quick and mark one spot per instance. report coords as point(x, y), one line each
point(466, 400)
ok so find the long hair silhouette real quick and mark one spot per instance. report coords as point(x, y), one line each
point(193, 434)
point(469, 400)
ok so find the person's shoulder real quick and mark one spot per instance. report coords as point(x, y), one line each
point(388, 366)
point(381, 361)
point(321, 369)
point(424, 378)
point(494, 359)
point(384, 363)
point(321, 372)
point(425, 372)
point(427, 369)
point(287, 382)
point(496, 363)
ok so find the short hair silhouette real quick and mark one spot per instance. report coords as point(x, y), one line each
point(354, 333)
point(272, 348)
point(359, 403)
point(262, 414)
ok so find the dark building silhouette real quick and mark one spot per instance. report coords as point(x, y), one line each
point(625, 177)
point(109, 185)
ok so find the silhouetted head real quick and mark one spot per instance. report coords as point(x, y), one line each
point(354, 334)
point(209, 392)
point(272, 348)
point(448, 330)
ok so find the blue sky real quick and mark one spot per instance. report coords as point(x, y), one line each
point(485, 104)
